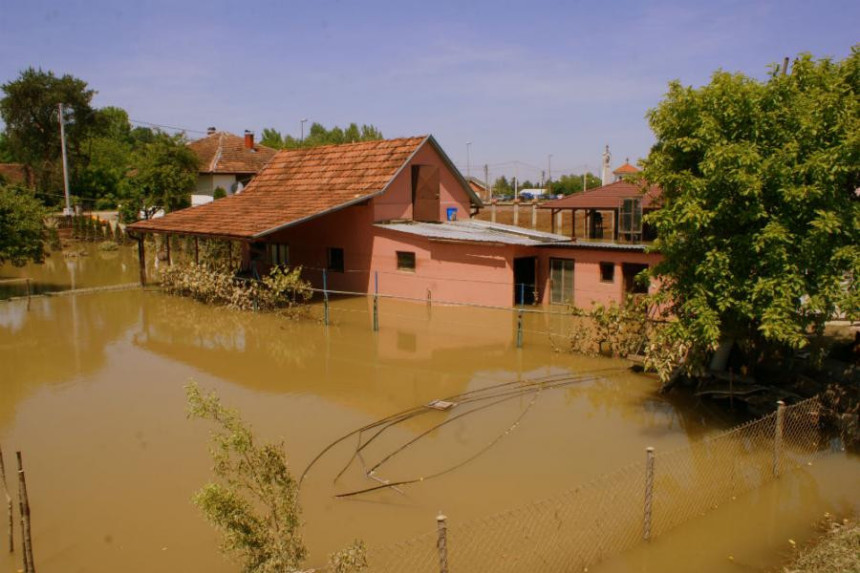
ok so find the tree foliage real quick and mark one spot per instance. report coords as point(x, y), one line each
point(164, 173)
point(29, 110)
point(572, 183)
point(255, 499)
point(22, 227)
point(760, 228)
point(318, 135)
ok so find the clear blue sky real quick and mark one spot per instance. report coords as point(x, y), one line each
point(520, 80)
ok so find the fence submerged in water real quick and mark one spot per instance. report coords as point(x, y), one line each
point(615, 512)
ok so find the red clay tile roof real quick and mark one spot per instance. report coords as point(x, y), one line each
point(296, 184)
point(17, 174)
point(626, 169)
point(608, 197)
point(223, 152)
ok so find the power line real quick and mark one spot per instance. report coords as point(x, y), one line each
point(173, 127)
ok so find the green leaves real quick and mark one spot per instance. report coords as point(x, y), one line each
point(760, 219)
point(22, 227)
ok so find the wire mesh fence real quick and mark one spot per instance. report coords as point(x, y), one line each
point(580, 527)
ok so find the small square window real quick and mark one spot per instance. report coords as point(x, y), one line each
point(406, 261)
point(335, 259)
point(607, 272)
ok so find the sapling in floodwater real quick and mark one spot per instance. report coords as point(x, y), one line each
point(254, 500)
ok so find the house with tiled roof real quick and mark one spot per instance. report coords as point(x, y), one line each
point(227, 161)
point(625, 170)
point(390, 216)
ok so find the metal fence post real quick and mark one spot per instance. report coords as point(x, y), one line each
point(325, 298)
point(649, 492)
point(519, 329)
point(777, 438)
point(376, 301)
point(442, 542)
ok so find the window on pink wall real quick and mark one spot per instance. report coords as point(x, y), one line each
point(607, 272)
point(561, 281)
point(406, 261)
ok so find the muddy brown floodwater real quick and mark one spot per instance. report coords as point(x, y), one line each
point(92, 392)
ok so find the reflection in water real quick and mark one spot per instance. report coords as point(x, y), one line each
point(92, 391)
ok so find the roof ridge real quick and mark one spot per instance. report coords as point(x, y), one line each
point(316, 147)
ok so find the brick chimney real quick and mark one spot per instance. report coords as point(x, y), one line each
point(210, 131)
point(249, 139)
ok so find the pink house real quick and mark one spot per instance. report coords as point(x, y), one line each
point(394, 217)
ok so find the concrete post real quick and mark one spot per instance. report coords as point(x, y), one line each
point(559, 222)
point(534, 213)
point(493, 210)
point(649, 492)
point(777, 438)
point(516, 212)
point(442, 542)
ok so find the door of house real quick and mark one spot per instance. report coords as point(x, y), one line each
point(561, 281)
point(425, 193)
point(525, 280)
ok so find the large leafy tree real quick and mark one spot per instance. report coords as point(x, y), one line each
point(29, 110)
point(568, 184)
point(760, 228)
point(108, 151)
point(164, 173)
point(22, 226)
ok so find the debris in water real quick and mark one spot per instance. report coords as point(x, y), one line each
point(441, 405)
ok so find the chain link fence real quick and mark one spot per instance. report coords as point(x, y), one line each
point(580, 527)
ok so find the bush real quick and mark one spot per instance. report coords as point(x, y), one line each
point(279, 290)
point(219, 193)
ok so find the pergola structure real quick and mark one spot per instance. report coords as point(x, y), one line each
point(611, 213)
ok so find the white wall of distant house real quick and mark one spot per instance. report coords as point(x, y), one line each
point(208, 182)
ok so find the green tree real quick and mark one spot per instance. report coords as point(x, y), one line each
point(108, 153)
point(318, 135)
point(760, 227)
point(572, 183)
point(164, 173)
point(29, 110)
point(22, 227)
point(254, 502)
point(502, 187)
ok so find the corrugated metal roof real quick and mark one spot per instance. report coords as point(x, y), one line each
point(608, 245)
point(475, 231)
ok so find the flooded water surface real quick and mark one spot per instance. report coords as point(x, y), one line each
point(93, 395)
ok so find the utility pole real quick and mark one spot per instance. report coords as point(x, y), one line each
point(468, 159)
point(68, 210)
point(302, 124)
point(542, 175)
point(487, 181)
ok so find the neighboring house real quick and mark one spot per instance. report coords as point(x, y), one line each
point(227, 161)
point(481, 188)
point(394, 217)
point(17, 174)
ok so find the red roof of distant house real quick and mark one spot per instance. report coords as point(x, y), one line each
point(608, 197)
point(626, 169)
point(222, 152)
point(298, 185)
point(17, 174)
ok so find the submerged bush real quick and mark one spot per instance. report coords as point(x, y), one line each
point(279, 290)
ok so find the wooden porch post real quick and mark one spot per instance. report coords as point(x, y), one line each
point(141, 259)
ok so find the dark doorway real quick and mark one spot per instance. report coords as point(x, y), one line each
point(596, 231)
point(525, 280)
point(425, 193)
point(631, 285)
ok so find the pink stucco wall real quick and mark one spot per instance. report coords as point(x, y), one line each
point(587, 286)
point(455, 272)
